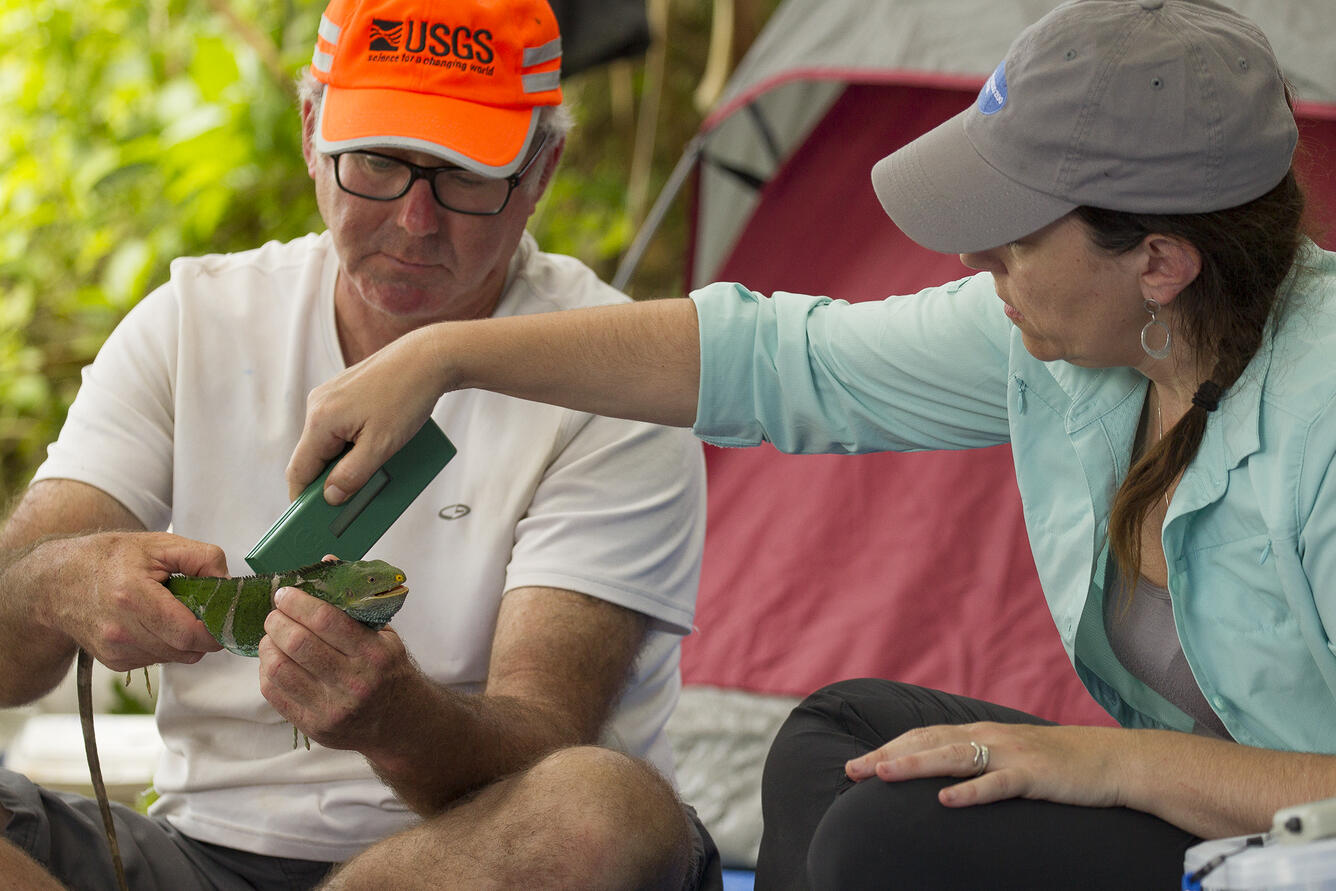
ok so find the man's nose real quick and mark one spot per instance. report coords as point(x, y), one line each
point(419, 214)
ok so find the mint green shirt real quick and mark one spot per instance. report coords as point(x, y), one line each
point(1250, 538)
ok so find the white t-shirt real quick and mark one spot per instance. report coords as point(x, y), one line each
point(188, 417)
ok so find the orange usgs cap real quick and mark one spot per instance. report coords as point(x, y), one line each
point(460, 79)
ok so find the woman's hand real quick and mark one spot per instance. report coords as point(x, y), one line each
point(1072, 765)
point(1210, 787)
point(377, 404)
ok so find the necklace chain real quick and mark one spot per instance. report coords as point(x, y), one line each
point(1159, 419)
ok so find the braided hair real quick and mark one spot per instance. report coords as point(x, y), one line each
point(1246, 252)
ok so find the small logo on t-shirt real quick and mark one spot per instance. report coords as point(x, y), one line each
point(993, 96)
point(453, 511)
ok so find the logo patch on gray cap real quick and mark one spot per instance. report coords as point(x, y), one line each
point(993, 96)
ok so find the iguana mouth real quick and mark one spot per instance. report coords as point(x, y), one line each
point(375, 610)
point(396, 591)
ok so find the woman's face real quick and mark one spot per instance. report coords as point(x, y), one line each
point(1070, 299)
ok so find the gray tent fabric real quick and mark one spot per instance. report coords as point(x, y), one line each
point(969, 37)
point(811, 49)
point(595, 32)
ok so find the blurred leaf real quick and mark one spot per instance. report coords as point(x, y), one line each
point(125, 273)
point(124, 702)
point(145, 799)
point(214, 67)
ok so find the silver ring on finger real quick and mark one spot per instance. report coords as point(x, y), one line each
point(980, 762)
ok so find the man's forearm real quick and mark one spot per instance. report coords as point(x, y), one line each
point(454, 744)
point(40, 542)
point(33, 658)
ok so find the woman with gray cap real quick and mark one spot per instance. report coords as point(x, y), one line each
point(1151, 333)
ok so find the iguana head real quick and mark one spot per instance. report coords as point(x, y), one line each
point(371, 591)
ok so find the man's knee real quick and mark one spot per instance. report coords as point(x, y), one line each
point(18, 869)
point(611, 811)
point(618, 795)
point(582, 817)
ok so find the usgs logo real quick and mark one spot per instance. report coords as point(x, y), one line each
point(433, 38)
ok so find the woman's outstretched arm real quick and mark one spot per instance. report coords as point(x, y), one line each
point(639, 361)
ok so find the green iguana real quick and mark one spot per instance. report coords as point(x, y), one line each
point(371, 591)
point(234, 610)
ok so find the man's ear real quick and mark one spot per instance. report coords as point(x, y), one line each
point(535, 189)
point(1171, 264)
point(308, 136)
point(550, 166)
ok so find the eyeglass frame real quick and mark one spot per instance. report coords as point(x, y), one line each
point(417, 172)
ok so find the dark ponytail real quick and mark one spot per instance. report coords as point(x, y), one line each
point(1246, 252)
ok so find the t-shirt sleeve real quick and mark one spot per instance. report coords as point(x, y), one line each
point(117, 435)
point(811, 374)
point(619, 515)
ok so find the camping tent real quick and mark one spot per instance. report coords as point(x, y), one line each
point(913, 566)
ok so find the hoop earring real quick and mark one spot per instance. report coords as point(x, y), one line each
point(1153, 307)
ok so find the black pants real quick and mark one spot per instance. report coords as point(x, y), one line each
point(823, 831)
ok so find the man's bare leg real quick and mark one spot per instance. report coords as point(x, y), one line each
point(18, 869)
point(583, 817)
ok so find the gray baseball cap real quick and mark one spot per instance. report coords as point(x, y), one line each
point(1146, 106)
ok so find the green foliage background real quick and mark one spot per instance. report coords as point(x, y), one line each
point(136, 131)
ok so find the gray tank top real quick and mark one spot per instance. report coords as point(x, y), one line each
point(1144, 639)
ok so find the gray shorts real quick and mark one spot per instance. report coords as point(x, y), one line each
point(63, 832)
point(705, 872)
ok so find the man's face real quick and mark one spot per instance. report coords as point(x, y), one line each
point(410, 261)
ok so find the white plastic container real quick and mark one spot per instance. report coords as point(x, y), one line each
point(49, 750)
point(1270, 867)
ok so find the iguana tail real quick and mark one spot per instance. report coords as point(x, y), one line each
point(84, 682)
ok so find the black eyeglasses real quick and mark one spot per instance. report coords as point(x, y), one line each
point(380, 177)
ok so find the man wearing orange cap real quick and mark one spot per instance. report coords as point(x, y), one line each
point(459, 746)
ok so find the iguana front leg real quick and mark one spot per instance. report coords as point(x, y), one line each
point(83, 680)
point(129, 676)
